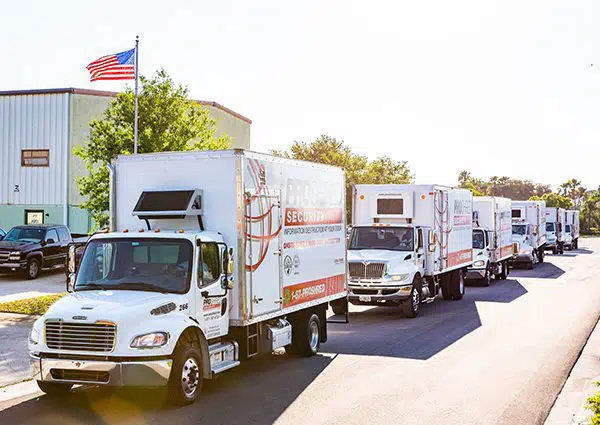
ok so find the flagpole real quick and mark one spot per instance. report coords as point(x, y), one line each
point(135, 123)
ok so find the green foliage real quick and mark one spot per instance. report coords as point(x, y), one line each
point(590, 211)
point(593, 403)
point(554, 200)
point(573, 190)
point(502, 186)
point(328, 150)
point(167, 121)
point(31, 306)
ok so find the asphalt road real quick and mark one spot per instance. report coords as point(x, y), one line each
point(499, 356)
point(13, 286)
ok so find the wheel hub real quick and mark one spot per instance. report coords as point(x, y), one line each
point(190, 377)
point(314, 335)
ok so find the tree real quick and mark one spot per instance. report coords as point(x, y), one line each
point(554, 200)
point(502, 186)
point(573, 190)
point(168, 121)
point(590, 212)
point(328, 150)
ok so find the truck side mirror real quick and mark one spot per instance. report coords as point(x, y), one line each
point(71, 259)
point(71, 282)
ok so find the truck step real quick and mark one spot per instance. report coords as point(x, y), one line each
point(222, 367)
point(428, 300)
point(223, 356)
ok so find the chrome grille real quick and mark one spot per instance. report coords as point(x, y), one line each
point(366, 270)
point(4, 255)
point(96, 337)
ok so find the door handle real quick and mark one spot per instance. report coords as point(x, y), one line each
point(277, 253)
point(256, 299)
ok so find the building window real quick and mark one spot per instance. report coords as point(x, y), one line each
point(35, 158)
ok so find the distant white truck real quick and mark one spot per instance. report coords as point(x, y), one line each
point(408, 242)
point(572, 229)
point(528, 232)
point(492, 238)
point(238, 253)
point(555, 230)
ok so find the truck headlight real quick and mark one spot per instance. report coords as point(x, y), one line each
point(34, 336)
point(479, 263)
point(150, 340)
point(400, 277)
point(14, 255)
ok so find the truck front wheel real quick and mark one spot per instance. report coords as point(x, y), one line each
point(54, 388)
point(540, 256)
point(185, 382)
point(487, 279)
point(33, 268)
point(306, 335)
point(410, 307)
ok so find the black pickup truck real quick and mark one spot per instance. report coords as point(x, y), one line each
point(29, 248)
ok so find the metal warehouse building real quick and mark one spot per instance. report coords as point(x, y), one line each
point(38, 171)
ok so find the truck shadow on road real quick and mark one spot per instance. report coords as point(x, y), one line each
point(545, 270)
point(383, 331)
point(257, 392)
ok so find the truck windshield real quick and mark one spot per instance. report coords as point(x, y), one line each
point(161, 265)
point(25, 234)
point(519, 229)
point(388, 238)
point(549, 227)
point(478, 239)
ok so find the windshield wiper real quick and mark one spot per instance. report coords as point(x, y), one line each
point(91, 285)
point(142, 286)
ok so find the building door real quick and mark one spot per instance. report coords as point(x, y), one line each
point(34, 216)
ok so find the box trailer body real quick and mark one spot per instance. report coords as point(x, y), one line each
point(572, 229)
point(555, 229)
point(492, 238)
point(529, 231)
point(257, 241)
point(408, 239)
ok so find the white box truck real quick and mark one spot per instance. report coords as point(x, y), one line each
point(528, 232)
point(572, 229)
point(407, 242)
point(555, 230)
point(492, 238)
point(238, 253)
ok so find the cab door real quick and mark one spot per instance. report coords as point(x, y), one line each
point(212, 304)
point(421, 250)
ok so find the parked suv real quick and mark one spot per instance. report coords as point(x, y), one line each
point(29, 248)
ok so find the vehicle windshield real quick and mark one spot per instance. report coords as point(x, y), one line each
point(568, 228)
point(478, 239)
point(160, 265)
point(25, 234)
point(519, 229)
point(549, 227)
point(388, 238)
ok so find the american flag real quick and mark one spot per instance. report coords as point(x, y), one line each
point(119, 66)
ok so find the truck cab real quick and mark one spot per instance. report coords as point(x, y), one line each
point(568, 236)
point(523, 239)
point(481, 269)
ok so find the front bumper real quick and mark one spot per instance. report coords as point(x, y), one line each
point(374, 295)
point(146, 373)
point(13, 266)
point(521, 258)
point(475, 274)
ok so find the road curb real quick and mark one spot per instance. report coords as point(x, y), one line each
point(569, 407)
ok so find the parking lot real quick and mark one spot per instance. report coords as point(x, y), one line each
point(14, 286)
point(499, 356)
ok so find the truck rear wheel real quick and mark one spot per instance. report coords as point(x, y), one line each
point(410, 307)
point(185, 382)
point(306, 335)
point(504, 272)
point(540, 256)
point(54, 388)
point(457, 284)
point(445, 285)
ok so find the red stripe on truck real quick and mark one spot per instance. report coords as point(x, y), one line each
point(460, 257)
point(313, 290)
point(308, 216)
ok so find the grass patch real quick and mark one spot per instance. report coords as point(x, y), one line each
point(31, 306)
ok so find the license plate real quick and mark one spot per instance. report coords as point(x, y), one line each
point(364, 298)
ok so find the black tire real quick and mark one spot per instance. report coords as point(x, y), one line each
point(540, 256)
point(340, 306)
point(505, 270)
point(185, 382)
point(32, 271)
point(306, 335)
point(445, 286)
point(487, 279)
point(54, 388)
point(576, 244)
point(457, 284)
point(529, 265)
point(410, 307)
point(554, 251)
point(561, 249)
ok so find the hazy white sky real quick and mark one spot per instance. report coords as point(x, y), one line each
point(495, 87)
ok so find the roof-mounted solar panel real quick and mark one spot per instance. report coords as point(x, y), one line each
point(169, 204)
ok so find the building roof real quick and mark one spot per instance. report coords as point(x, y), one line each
point(91, 92)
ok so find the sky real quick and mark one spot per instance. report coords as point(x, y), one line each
point(493, 87)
